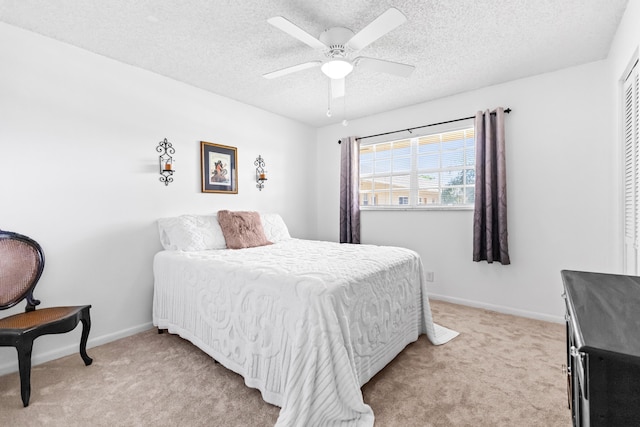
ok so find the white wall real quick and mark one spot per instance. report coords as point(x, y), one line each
point(79, 174)
point(560, 169)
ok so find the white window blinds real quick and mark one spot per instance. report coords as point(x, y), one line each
point(631, 142)
point(431, 171)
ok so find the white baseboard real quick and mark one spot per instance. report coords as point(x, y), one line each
point(57, 353)
point(499, 308)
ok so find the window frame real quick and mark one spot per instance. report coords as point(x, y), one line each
point(413, 172)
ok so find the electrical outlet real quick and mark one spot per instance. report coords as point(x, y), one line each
point(429, 276)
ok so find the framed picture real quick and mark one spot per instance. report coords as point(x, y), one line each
point(219, 168)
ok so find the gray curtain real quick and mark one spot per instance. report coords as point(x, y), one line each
point(349, 190)
point(490, 241)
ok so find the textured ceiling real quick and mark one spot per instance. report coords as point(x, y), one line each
point(225, 46)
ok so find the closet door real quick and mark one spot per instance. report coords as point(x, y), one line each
point(631, 172)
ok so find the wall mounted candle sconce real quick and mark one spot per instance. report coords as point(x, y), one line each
point(166, 161)
point(261, 175)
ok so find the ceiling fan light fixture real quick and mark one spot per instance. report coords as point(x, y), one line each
point(337, 68)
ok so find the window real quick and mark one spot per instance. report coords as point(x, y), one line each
point(436, 170)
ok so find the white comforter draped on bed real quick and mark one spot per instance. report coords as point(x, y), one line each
point(306, 322)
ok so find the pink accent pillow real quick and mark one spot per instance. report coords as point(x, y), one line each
point(242, 229)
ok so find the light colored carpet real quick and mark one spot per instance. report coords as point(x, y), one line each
point(501, 371)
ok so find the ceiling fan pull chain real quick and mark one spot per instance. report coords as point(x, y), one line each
point(329, 100)
point(345, 122)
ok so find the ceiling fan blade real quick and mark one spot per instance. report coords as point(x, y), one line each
point(295, 31)
point(380, 26)
point(337, 88)
point(383, 66)
point(293, 69)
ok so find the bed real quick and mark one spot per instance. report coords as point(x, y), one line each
point(305, 322)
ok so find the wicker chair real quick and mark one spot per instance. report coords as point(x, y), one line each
point(21, 265)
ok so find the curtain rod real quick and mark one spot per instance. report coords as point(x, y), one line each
point(508, 110)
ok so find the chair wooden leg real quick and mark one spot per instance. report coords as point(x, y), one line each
point(86, 327)
point(24, 349)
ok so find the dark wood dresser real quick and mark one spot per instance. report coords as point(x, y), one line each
point(603, 348)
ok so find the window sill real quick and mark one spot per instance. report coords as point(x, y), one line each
point(416, 208)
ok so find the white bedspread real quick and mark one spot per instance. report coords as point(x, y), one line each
point(305, 322)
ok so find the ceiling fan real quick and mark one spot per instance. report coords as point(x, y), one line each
point(337, 44)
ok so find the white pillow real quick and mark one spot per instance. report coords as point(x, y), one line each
point(191, 233)
point(274, 227)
